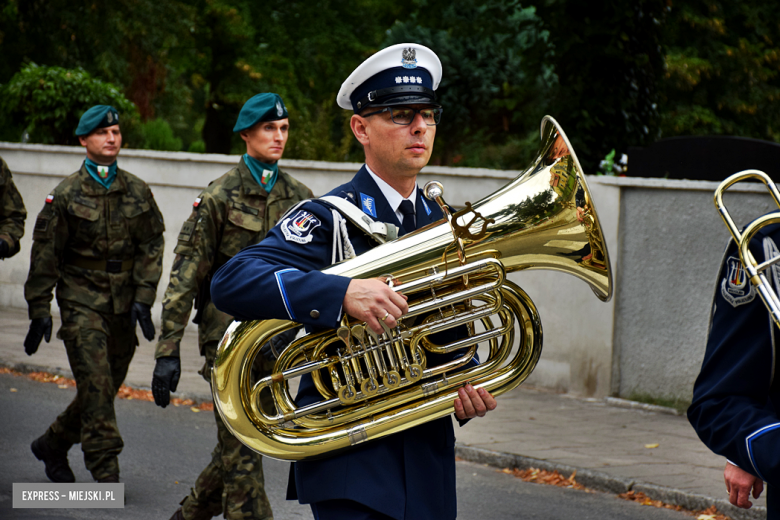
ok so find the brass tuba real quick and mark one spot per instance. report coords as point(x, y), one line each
point(755, 271)
point(454, 273)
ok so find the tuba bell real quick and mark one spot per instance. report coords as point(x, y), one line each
point(454, 273)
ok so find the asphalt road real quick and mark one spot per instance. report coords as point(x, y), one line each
point(165, 450)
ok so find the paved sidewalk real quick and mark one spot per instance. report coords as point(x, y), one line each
point(604, 443)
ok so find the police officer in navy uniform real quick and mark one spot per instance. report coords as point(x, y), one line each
point(736, 397)
point(411, 474)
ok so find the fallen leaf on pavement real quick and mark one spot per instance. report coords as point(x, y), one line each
point(651, 446)
point(125, 392)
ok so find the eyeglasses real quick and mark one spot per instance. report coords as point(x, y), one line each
point(405, 115)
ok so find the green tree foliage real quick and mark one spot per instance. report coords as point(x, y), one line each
point(495, 57)
point(615, 73)
point(47, 102)
point(298, 49)
point(609, 61)
point(126, 42)
point(722, 69)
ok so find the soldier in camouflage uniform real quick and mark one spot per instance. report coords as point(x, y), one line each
point(99, 240)
point(233, 212)
point(12, 214)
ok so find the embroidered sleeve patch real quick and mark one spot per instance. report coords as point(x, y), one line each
point(735, 286)
point(299, 227)
point(196, 203)
point(49, 199)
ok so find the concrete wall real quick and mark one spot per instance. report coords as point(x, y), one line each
point(664, 238)
point(670, 246)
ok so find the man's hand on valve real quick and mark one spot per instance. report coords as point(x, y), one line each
point(373, 301)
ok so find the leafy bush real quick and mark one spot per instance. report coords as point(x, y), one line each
point(197, 147)
point(47, 102)
point(158, 135)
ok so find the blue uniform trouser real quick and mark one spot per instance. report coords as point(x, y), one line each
point(345, 510)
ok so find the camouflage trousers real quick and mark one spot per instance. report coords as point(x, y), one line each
point(233, 483)
point(100, 348)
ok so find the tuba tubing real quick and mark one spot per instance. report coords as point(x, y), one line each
point(454, 273)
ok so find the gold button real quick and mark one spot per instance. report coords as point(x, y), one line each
point(315, 314)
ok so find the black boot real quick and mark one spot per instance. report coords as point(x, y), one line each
point(57, 468)
point(177, 515)
point(111, 479)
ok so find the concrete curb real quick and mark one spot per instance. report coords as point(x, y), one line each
point(635, 405)
point(603, 482)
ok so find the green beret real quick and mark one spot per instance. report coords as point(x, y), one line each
point(99, 116)
point(262, 107)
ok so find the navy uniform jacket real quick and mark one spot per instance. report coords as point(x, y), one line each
point(736, 398)
point(407, 475)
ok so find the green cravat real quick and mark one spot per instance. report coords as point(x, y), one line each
point(264, 174)
point(104, 175)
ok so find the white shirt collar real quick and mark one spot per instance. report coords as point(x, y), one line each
point(392, 197)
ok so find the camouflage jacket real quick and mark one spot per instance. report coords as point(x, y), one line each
point(12, 212)
point(233, 212)
point(82, 222)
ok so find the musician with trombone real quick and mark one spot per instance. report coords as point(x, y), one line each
point(409, 474)
point(736, 397)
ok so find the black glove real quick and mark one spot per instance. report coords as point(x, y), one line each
point(274, 346)
point(4, 248)
point(143, 314)
point(40, 328)
point(165, 379)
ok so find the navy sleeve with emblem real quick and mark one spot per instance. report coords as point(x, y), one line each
point(732, 411)
point(280, 278)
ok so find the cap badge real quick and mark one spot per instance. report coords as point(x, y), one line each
point(409, 58)
point(110, 116)
point(279, 108)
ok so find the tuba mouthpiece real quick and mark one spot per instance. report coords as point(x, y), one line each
point(433, 190)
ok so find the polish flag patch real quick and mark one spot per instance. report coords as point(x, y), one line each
point(49, 199)
point(196, 203)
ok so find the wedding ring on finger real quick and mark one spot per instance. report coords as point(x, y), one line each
point(383, 318)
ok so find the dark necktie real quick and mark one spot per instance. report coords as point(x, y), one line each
point(407, 211)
